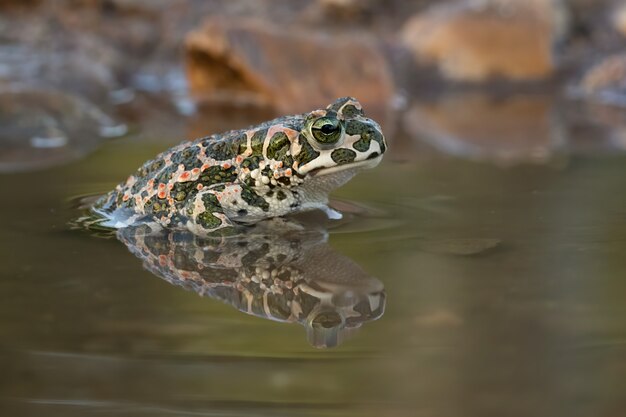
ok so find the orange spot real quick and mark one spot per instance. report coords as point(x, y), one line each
point(204, 167)
point(161, 194)
point(185, 176)
point(239, 159)
point(226, 165)
point(151, 182)
point(195, 171)
point(288, 172)
point(170, 186)
point(161, 186)
point(199, 187)
point(279, 164)
point(237, 190)
point(126, 197)
point(162, 260)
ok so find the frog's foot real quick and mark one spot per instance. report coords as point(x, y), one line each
point(332, 214)
point(205, 214)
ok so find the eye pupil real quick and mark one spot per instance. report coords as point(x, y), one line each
point(328, 128)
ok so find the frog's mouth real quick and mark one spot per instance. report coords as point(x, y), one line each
point(372, 161)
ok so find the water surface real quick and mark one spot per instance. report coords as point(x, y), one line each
point(504, 296)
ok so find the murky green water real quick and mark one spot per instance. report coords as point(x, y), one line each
point(504, 296)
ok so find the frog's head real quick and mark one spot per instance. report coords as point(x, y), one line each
point(338, 138)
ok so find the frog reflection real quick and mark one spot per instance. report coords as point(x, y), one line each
point(289, 275)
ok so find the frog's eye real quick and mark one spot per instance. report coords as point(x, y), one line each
point(327, 130)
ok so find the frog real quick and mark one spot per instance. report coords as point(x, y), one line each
point(220, 182)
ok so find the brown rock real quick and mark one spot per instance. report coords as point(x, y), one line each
point(474, 40)
point(506, 131)
point(290, 71)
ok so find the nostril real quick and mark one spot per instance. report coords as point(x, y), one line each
point(373, 155)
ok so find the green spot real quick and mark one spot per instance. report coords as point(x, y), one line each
point(280, 195)
point(339, 103)
point(207, 218)
point(150, 167)
point(362, 144)
point(226, 147)
point(307, 153)
point(187, 157)
point(217, 175)
point(166, 175)
point(343, 156)
point(257, 141)
point(253, 199)
point(278, 147)
point(351, 111)
point(251, 162)
point(211, 203)
point(367, 132)
point(184, 190)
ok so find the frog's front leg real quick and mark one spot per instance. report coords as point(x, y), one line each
point(205, 213)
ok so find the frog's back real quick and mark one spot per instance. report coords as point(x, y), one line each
point(161, 187)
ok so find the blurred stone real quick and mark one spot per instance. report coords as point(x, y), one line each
point(619, 18)
point(76, 73)
point(39, 129)
point(251, 62)
point(602, 105)
point(349, 8)
point(508, 130)
point(475, 40)
point(343, 10)
point(18, 4)
point(606, 81)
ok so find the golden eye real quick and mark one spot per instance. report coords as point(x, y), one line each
point(327, 130)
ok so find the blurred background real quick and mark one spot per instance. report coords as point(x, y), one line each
point(504, 81)
point(496, 223)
